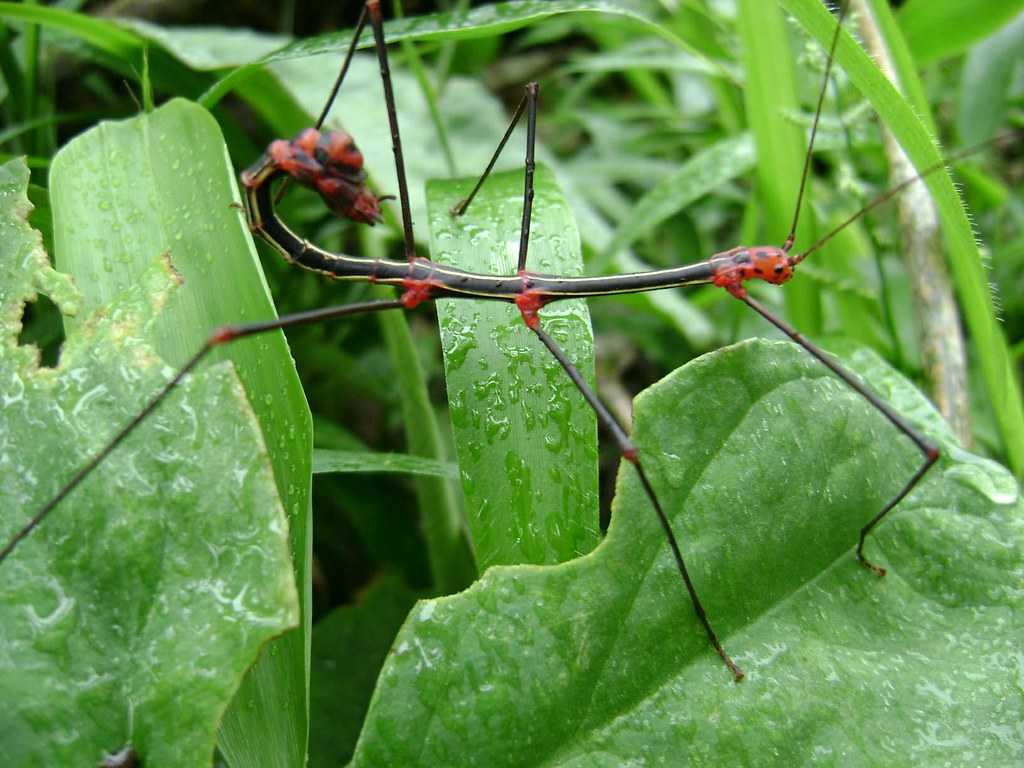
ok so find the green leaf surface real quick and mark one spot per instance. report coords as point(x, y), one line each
point(937, 29)
point(158, 580)
point(768, 466)
point(468, 24)
point(123, 194)
point(526, 440)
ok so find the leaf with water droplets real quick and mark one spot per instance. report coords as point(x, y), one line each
point(519, 420)
point(767, 466)
point(161, 576)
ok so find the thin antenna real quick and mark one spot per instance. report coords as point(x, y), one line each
point(814, 128)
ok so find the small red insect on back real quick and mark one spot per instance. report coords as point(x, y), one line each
point(329, 163)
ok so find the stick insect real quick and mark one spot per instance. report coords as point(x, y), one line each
point(581, 645)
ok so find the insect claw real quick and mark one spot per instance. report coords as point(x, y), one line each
point(871, 566)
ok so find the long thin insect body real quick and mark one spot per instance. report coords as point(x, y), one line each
point(530, 291)
point(428, 279)
point(424, 280)
point(729, 270)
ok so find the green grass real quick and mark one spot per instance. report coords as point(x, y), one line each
point(668, 138)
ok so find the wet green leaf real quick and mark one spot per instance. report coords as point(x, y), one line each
point(768, 466)
point(155, 582)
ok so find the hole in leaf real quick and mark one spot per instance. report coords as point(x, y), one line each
point(43, 326)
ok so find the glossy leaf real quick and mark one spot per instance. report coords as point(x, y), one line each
point(161, 183)
point(769, 466)
point(526, 440)
point(158, 580)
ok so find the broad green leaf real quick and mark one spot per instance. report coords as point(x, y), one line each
point(939, 29)
point(768, 466)
point(601, 190)
point(126, 192)
point(525, 438)
point(158, 580)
